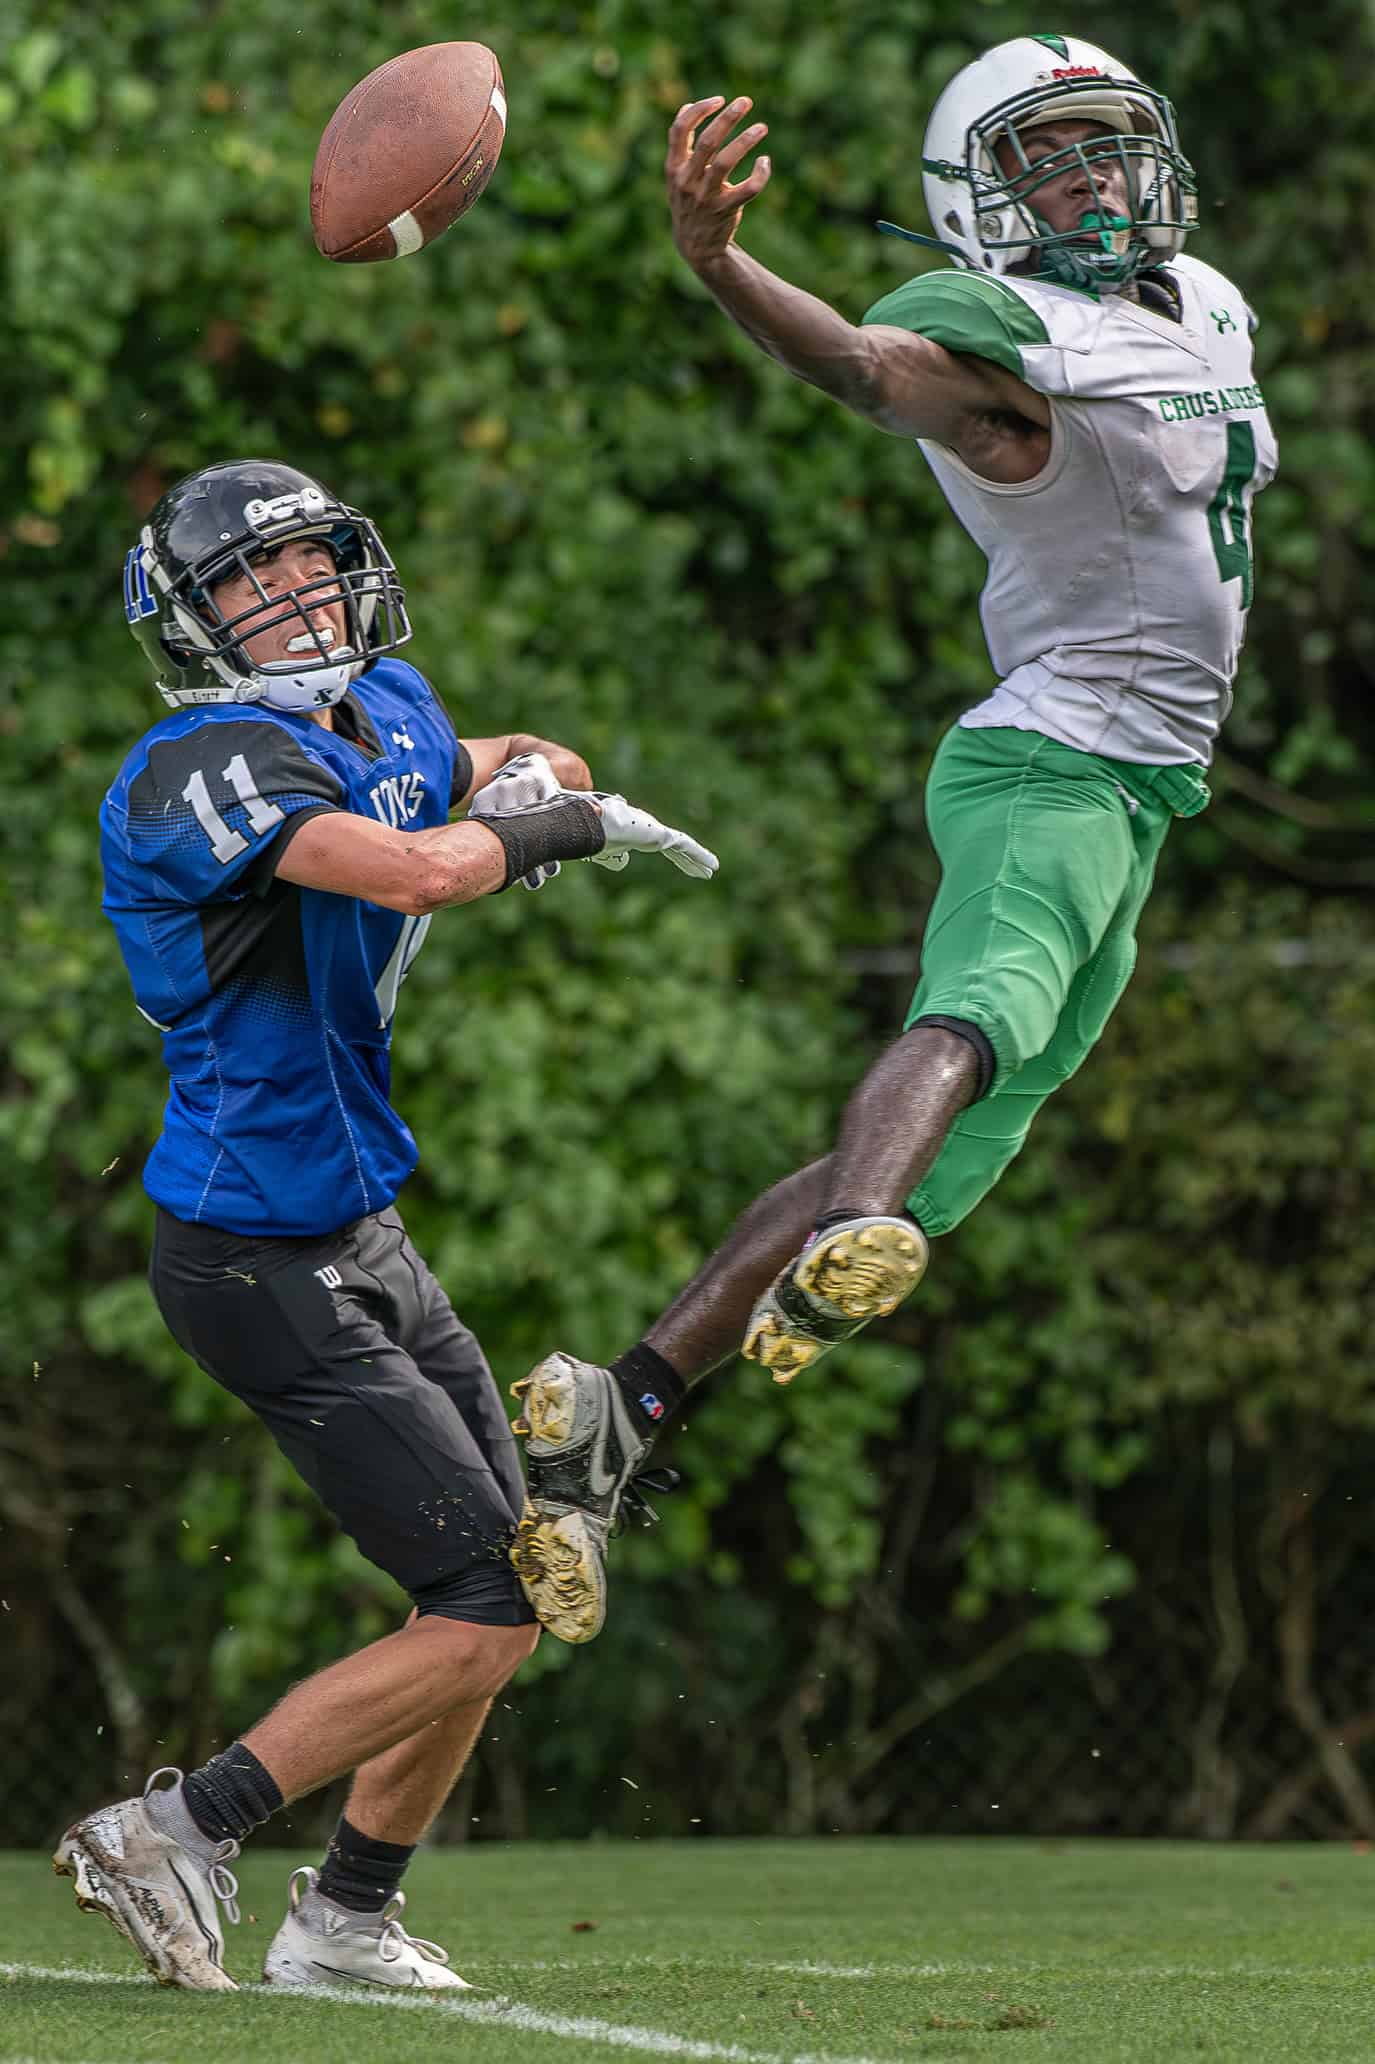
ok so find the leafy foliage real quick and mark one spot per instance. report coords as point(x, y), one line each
point(620, 526)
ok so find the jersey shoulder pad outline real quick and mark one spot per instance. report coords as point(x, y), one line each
point(279, 756)
point(967, 312)
point(1214, 288)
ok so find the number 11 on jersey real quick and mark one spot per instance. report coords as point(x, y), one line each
point(225, 843)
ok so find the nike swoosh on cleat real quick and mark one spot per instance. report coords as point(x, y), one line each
point(210, 1943)
point(603, 1483)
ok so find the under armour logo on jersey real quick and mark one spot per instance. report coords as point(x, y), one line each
point(330, 1276)
point(403, 738)
point(1223, 319)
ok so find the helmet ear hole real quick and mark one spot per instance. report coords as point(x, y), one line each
point(954, 223)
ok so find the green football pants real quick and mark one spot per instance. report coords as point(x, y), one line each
point(1047, 858)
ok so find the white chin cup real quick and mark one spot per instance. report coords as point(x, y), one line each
point(314, 688)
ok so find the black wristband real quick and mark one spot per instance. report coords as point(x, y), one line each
point(565, 828)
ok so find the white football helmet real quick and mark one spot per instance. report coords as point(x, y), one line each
point(986, 218)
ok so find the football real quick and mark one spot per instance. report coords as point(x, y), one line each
point(407, 151)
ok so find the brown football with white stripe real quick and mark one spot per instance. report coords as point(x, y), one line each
point(407, 151)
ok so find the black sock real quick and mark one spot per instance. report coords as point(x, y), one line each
point(651, 1387)
point(361, 1872)
point(830, 1218)
point(231, 1794)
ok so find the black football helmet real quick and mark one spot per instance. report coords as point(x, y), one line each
point(223, 520)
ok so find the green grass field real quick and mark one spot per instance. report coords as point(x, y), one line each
point(762, 1952)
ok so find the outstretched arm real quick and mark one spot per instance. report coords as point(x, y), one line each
point(498, 843)
point(903, 383)
point(413, 871)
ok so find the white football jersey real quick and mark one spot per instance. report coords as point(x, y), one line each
point(1120, 577)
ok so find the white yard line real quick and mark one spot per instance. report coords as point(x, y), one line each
point(499, 2007)
point(1068, 1967)
point(1073, 1970)
point(508, 2013)
point(810, 1968)
point(494, 2013)
point(80, 1974)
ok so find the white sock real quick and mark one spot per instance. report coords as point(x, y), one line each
point(166, 1807)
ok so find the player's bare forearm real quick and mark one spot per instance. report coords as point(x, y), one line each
point(802, 333)
point(418, 872)
point(487, 754)
point(457, 863)
point(901, 383)
point(412, 871)
point(571, 768)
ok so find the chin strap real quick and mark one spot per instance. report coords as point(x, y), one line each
point(1058, 263)
point(931, 243)
point(1063, 266)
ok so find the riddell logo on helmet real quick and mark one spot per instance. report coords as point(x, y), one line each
point(1078, 72)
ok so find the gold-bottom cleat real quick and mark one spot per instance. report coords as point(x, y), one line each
point(858, 1270)
point(559, 1560)
point(863, 1270)
point(583, 1454)
point(547, 1401)
point(772, 1342)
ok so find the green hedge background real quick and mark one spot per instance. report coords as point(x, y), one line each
point(1081, 1538)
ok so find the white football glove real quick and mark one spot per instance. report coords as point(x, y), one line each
point(629, 830)
point(527, 779)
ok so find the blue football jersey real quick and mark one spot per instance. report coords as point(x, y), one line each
point(274, 1002)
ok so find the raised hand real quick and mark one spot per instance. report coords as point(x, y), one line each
point(706, 209)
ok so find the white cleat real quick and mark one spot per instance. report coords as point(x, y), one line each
point(320, 1943)
point(159, 1895)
